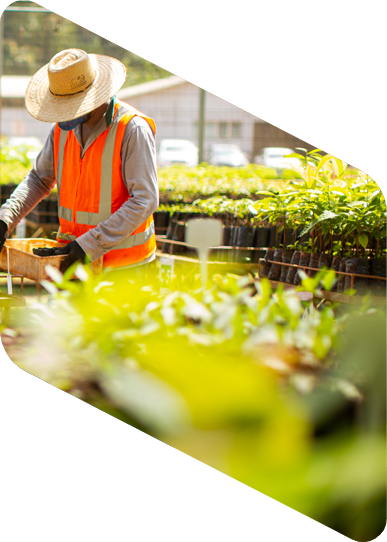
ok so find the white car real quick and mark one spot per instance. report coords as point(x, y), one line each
point(274, 157)
point(227, 155)
point(177, 151)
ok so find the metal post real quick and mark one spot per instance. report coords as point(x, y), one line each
point(205, 23)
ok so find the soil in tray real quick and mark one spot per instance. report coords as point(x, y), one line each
point(378, 269)
point(286, 258)
point(304, 262)
point(291, 271)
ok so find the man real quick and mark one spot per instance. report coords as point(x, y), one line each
point(100, 153)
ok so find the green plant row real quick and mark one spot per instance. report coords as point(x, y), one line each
point(179, 183)
point(330, 204)
point(211, 207)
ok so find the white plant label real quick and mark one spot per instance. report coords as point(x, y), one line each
point(203, 233)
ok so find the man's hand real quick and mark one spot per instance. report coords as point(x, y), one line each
point(3, 231)
point(74, 254)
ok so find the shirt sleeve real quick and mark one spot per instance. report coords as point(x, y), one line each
point(37, 184)
point(139, 171)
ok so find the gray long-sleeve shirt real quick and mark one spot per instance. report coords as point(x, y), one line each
point(139, 172)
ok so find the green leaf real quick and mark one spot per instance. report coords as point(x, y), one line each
point(294, 155)
point(363, 240)
point(371, 151)
point(328, 280)
point(315, 150)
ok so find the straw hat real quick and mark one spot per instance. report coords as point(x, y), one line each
point(72, 84)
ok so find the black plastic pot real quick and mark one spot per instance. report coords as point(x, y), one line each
point(335, 265)
point(290, 237)
point(272, 240)
point(261, 238)
point(304, 261)
point(275, 269)
point(226, 236)
point(245, 239)
point(183, 216)
point(6, 191)
point(286, 258)
point(378, 269)
point(233, 241)
point(52, 207)
point(291, 271)
point(361, 266)
point(341, 279)
point(179, 235)
point(169, 235)
point(313, 262)
point(265, 267)
point(325, 260)
point(161, 219)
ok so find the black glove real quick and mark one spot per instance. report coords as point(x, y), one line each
point(43, 252)
point(75, 254)
point(74, 251)
point(3, 231)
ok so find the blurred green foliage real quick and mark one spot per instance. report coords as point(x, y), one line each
point(235, 375)
point(331, 202)
point(184, 184)
point(14, 163)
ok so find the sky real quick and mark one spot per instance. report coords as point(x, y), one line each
point(243, 38)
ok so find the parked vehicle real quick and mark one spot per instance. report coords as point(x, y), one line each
point(177, 151)
point(274, 157)
point(227, 155)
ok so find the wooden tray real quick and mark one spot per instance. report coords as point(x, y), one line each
point(22, 261)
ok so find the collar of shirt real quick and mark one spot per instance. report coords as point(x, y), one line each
point(98, 129)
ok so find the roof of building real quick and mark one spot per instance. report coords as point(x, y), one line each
point(14, 86)
point(356, 102)
point(184, 78)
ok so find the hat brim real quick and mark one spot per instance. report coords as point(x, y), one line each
point(44, 106)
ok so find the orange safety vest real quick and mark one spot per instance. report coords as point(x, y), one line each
point(91, 189)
